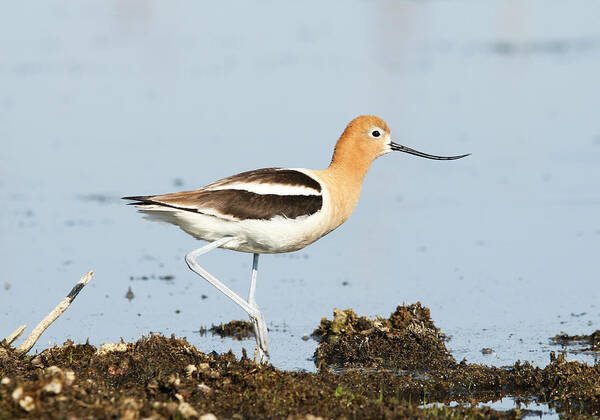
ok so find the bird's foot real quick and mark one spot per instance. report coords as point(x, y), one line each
point(262, 338)
point(260, 357)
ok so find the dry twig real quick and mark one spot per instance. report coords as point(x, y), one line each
point(14, 335)
point(50, 318)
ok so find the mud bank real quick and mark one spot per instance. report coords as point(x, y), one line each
point(382, 368)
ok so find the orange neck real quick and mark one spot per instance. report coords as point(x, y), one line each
point(344, 178)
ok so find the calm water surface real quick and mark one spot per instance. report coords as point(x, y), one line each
point(104, 99)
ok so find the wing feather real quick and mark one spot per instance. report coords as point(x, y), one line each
point(238, 197)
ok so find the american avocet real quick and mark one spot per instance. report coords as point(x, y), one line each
point(275, 210)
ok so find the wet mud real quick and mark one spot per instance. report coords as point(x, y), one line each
point(159, 377)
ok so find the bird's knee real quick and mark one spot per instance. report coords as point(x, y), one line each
point(255, 314)
point(190, 259)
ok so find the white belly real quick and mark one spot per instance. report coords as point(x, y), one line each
point(256, 236)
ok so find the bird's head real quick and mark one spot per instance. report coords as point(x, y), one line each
point(367, 137)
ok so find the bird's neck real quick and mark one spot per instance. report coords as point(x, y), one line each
point(344, 178)
point(349, 163)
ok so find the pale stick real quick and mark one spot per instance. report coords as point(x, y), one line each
point(52, 316)
point(15, 334)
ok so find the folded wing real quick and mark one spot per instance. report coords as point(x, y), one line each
point(262, 194)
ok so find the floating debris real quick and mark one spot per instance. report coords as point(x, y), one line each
point(162, 277)
point(239, 330)
point(568, 340)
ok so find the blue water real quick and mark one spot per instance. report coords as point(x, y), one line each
point(104, 99)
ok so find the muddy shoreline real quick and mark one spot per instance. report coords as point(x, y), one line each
point(392, 367)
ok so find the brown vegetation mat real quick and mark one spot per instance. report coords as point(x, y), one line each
point(162, 377)
point(407, 340)
point(167, 377)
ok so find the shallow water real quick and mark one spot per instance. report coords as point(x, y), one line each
point(101, 100)
point(530, 409)
point(533, 409)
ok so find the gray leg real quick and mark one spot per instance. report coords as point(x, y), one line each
point(260, 326)
point(255, 315)
point(251, 298)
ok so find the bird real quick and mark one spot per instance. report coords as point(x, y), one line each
point(275, 210)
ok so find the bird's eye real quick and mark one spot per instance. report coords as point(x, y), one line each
point(375, 133)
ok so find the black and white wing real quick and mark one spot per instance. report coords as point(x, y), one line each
point(262, 194)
